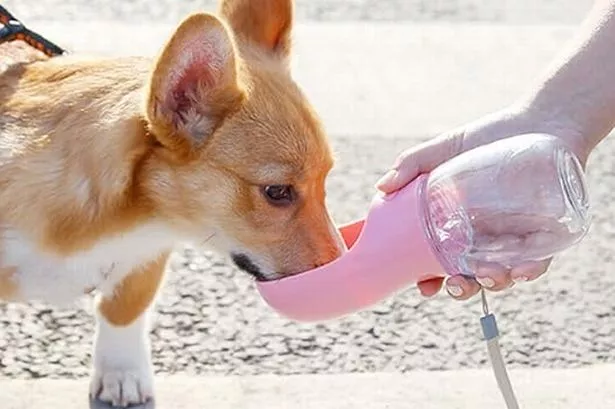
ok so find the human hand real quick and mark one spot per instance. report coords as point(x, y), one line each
point(426, 156)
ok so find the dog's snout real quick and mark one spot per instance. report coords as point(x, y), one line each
point(328, 258)
point(328, 253)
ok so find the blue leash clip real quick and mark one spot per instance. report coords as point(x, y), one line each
point(490, 327)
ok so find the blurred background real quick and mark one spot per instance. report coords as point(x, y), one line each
point(463, 11)
point(384, 75)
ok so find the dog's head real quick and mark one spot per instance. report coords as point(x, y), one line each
point(244, 156)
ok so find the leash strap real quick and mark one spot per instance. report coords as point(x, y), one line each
point(13, 29)
point(492, 334)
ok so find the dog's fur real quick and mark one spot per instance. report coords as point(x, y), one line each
point(106, 164)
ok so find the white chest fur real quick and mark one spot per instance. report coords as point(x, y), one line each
point(60, 280)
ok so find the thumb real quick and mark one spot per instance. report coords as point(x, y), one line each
point(420, 159)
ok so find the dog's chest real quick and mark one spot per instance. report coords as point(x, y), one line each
point(60, 280)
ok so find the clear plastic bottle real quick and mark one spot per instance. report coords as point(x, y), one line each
point(512, 201)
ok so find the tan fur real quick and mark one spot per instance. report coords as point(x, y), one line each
point(8, 290)
point(134, 294)
point(93, 147)
point(266, 23)
point(54, 137)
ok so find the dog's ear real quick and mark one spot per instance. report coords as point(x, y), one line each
point(267, 23)
point(194, 84)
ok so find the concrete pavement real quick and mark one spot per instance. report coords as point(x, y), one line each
point(463, 389)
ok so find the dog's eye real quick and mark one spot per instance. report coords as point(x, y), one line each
point(280, 195)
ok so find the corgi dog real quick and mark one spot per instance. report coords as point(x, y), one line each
point(107, 164)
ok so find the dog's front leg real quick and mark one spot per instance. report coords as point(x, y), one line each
point(123, 373)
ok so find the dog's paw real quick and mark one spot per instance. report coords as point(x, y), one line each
point(122, 388)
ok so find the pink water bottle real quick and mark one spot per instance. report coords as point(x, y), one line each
point(497, 206)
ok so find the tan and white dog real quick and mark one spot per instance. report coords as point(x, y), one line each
point(107, 164)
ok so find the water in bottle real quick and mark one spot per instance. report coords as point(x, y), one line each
point(519, 199)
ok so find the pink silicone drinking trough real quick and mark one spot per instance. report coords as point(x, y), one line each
point(387, 252)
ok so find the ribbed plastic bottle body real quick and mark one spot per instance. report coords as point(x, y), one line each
point(519, 199)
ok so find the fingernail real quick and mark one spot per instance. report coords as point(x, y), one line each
point(520, 279)
point(454, 290)
point(486, 282)
point(387, 178)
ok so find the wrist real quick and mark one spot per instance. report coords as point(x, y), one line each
point(533, 115)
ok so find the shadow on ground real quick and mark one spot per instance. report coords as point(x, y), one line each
point(96, 404)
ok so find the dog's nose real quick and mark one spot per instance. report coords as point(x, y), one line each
point(244, 263)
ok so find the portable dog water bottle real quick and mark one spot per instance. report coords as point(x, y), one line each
point(515, 200)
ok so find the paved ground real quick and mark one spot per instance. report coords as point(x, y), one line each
point(211, 321)
point(509, 11)
point(537, 389)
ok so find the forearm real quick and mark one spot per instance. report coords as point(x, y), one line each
point(578, 90)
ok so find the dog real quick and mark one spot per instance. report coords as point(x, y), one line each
point(107, 164)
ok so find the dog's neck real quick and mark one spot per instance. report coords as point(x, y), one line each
point(72, 148)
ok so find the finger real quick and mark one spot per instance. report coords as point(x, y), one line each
point(461, 288)
point(530, 271)
point(493, 276)
point(420, 159)
point(429, 288)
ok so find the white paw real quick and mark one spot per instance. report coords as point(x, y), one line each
point(122, 388)
point(123, 373)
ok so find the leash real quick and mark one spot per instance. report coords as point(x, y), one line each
point(492, 334)
point(14, 29)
